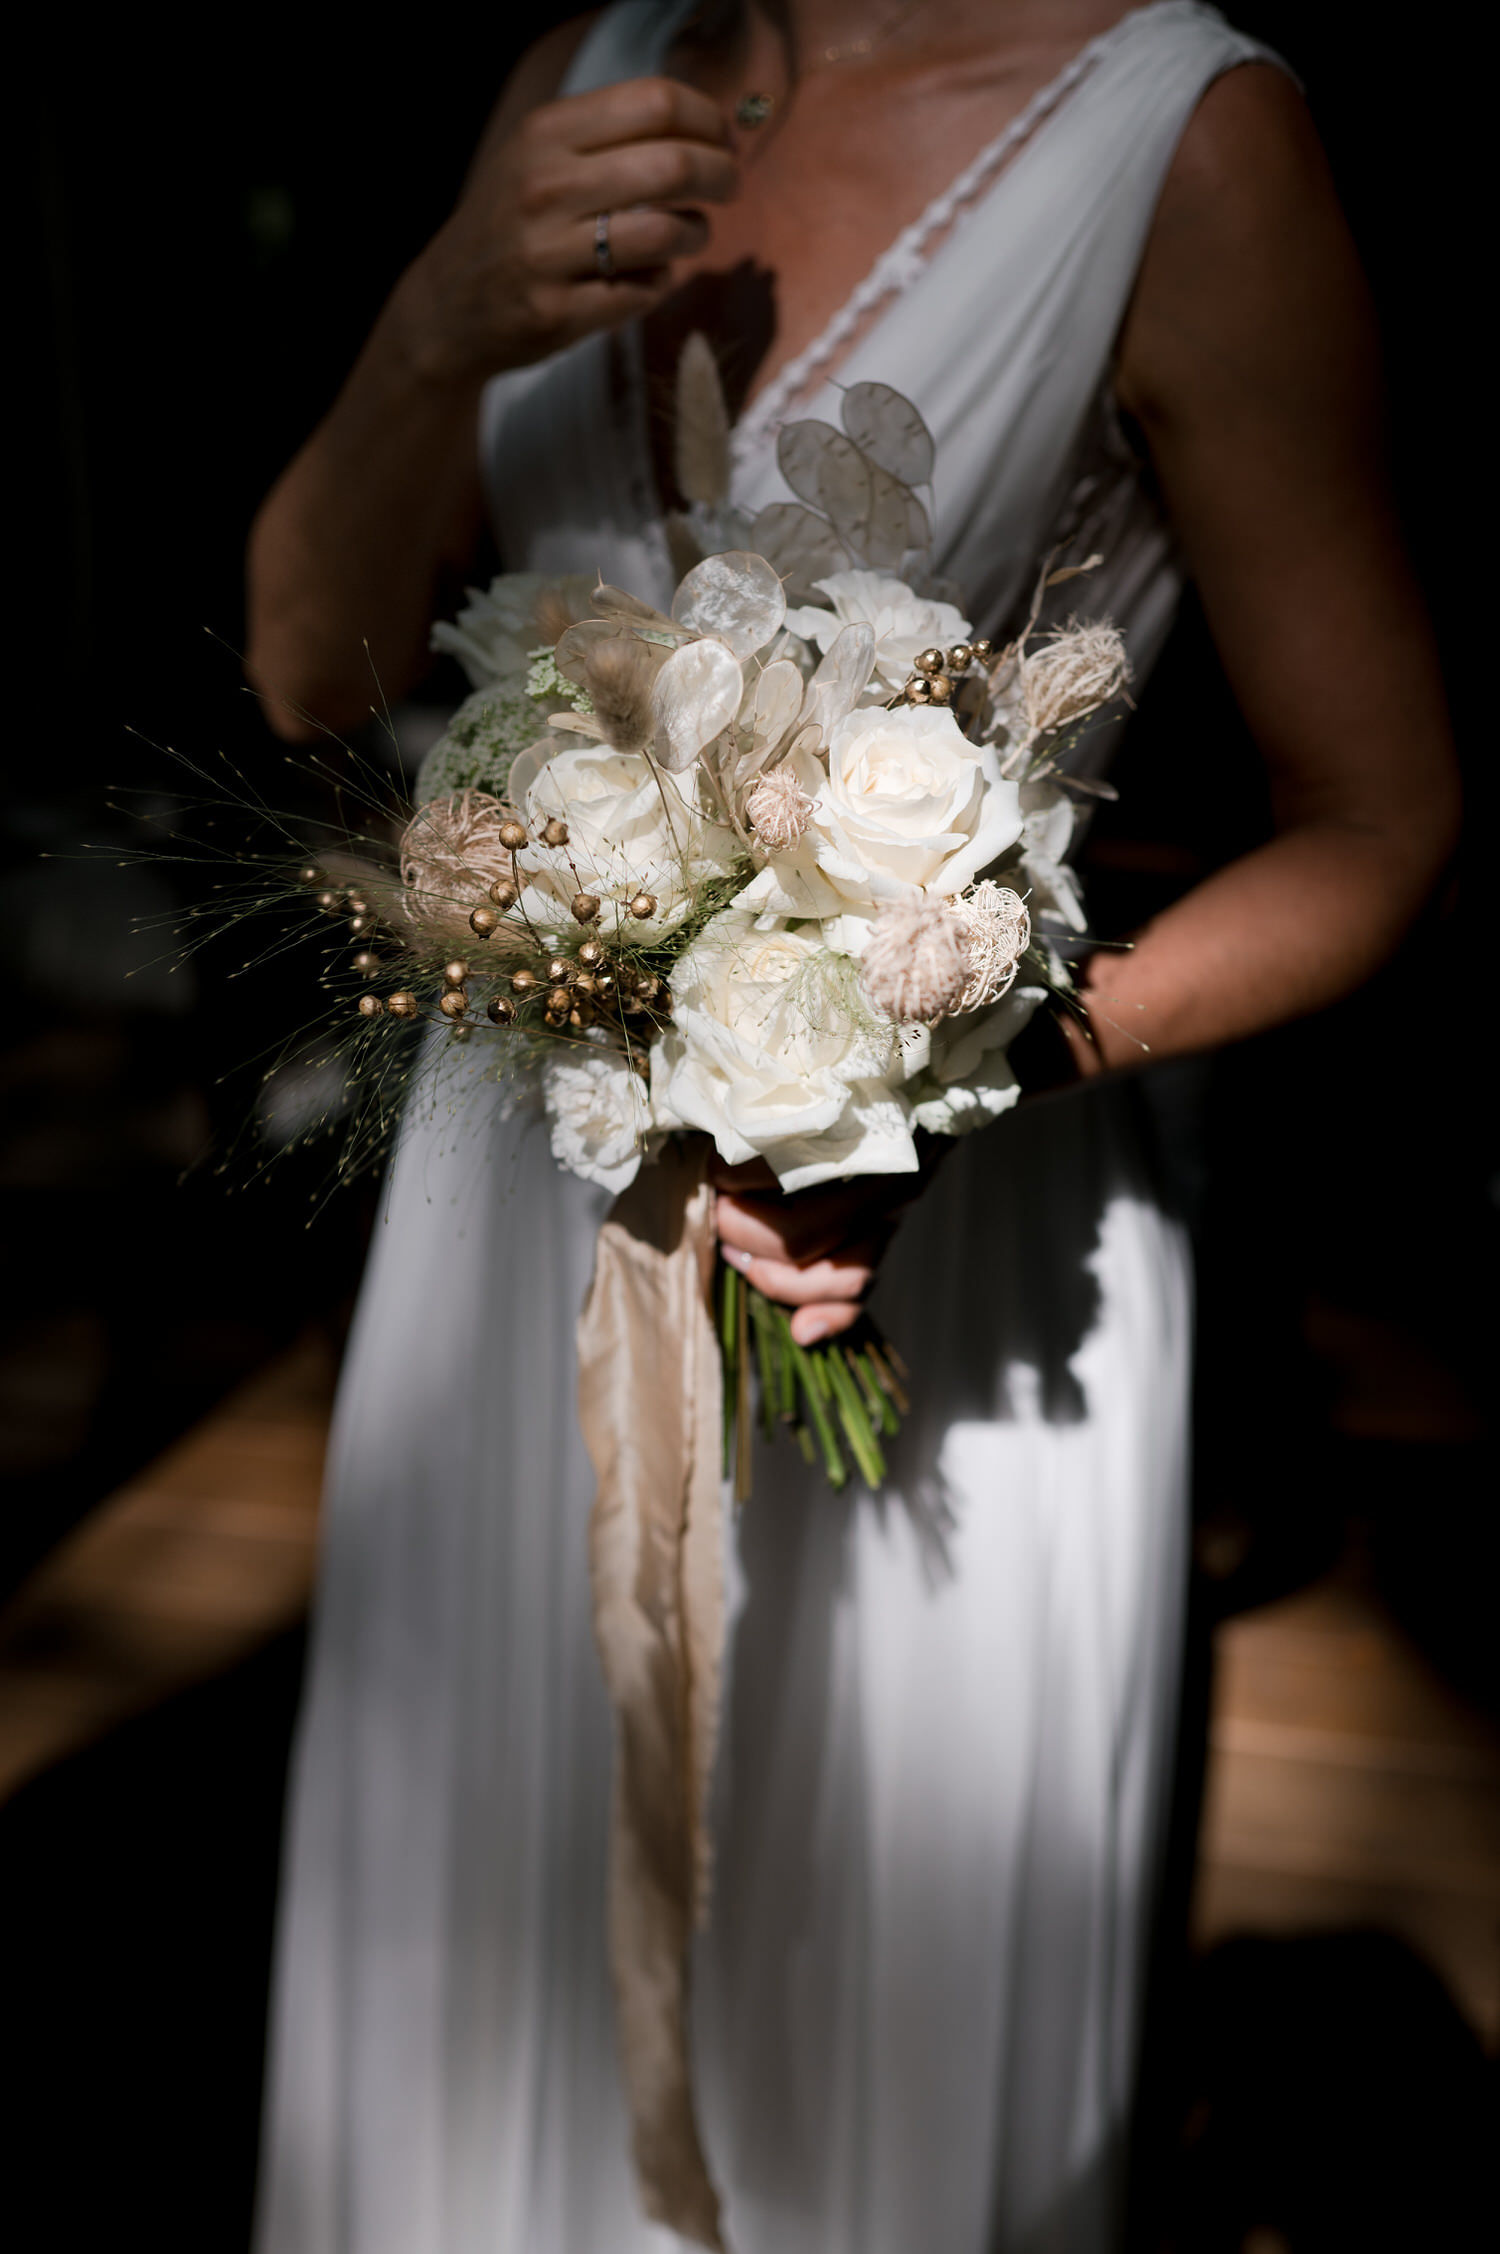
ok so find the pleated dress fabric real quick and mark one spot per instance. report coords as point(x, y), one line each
point(942, 1788)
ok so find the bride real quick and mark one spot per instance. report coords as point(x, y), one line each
point(1102, 255)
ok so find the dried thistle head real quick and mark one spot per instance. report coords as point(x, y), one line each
point(1071, 675)
point(996, 930)
point(450, 856)
point(915, 966)
point(618, 675)
point(779, 809)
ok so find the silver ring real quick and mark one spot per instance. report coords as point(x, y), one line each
point(604, 257)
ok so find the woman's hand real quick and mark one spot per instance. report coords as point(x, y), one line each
point(817, 1250)
point(514, 276)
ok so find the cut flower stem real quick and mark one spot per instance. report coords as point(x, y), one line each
point(838, 1400)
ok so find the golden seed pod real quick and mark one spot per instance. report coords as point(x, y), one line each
point(500, 1010)
point(504, 893)
point(401, 1003)
point(367, 962)
point(959, 657)
point(454, 1003)
point(918, 692)
point(940, 689)
point(559, 970)
point(605, 982)
point(482, 922)
point(929, 661)
point(586, 985)
point(591, 954)
point(585, 907)
point(513, 835)
point(310, 876)
point(370, 1005)
point(456, 972)
point(555, 832)
point(522, 981)
point(559, 999)
point(981, 647)
point(643, 905)
point(329, 900)
point(581, 1016)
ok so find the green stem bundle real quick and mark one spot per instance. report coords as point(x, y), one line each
point(838, 1400)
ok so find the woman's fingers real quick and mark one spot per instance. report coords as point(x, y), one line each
point(638, 242)
point(843, 1278)
point(635, 109)
point(813, 1222)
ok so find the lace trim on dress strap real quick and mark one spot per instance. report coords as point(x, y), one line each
point(906, 261)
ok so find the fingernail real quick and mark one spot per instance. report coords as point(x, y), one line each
point(736, 1258)
point(813, 1331)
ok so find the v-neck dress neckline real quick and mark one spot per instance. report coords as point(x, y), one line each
point(912, 251)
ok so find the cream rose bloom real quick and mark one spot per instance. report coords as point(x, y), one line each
point(769, 1053)
point(908, 807)
point(598, 1112)
point(630, 830)
point(904, 623)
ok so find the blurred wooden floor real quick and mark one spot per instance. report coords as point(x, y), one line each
point(1348, 1785)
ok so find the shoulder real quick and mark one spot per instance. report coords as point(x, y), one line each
point(1248, 242)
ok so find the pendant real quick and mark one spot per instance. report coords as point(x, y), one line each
point(753, 109)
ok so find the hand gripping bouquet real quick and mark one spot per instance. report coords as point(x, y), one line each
point(778, 871)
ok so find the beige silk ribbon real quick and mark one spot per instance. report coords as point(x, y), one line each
point(650, 1404)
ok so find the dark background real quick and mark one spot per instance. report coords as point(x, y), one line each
point(210, 221)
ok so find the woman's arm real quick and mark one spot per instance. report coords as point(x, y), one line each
point(383, 504)
point(1248, 360)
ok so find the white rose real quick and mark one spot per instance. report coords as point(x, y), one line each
point(964, 1079)
point(631, 829)
point(904, 623)
point(496, 631)
point(908, 806)
point(770, 1053)
point(598, 1112)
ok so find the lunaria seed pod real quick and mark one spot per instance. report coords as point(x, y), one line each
point(915, 965)
point(585, 907)
point(504, 892)
point(456, 972)
point(555, 832)
point(512, 835)
point(454, 1003)
point(401, 1003)
point(643, 906)
point(370, 1005)
point(482, 922)
point(500, 1010)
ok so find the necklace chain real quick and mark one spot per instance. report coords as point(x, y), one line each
point(753, 109)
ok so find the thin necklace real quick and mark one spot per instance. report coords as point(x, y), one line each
point(753, 109)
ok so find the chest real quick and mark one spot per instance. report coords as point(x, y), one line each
point(846, 163)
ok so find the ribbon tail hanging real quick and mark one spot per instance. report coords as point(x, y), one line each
point(649, 1387)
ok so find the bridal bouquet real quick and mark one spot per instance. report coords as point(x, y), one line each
point(778, 871)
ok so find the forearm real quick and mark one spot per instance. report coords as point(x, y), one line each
point(348, 547)
point(1281, 933)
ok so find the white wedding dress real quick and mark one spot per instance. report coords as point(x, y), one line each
point(950, 1709)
